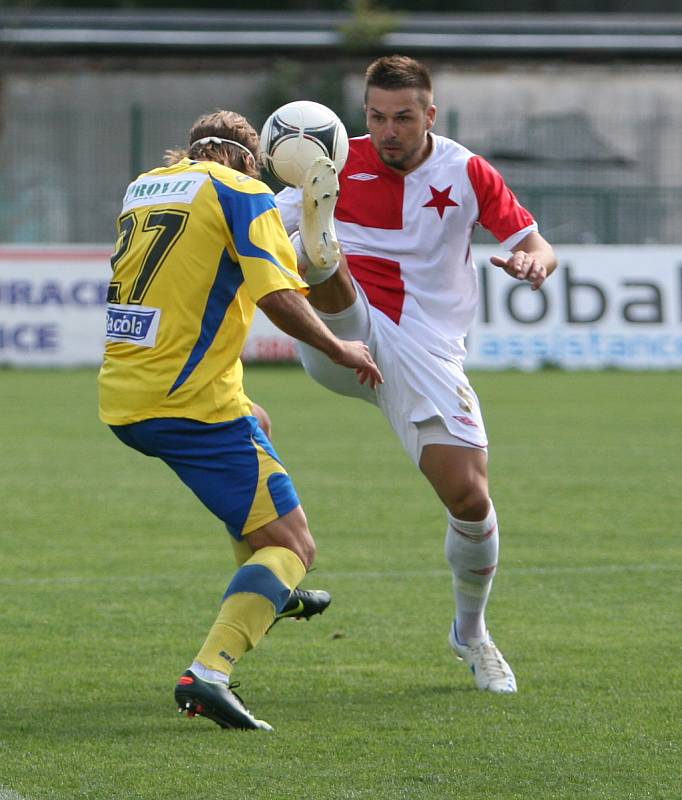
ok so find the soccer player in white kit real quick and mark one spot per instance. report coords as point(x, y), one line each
point(406, 285)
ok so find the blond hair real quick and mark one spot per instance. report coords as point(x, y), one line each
point(222, 124)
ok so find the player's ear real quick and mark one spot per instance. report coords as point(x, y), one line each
point(430, 117)
point(252, 167)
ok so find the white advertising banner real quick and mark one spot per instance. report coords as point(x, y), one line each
point(52, 302)
point(52, 309)
point(605, 306)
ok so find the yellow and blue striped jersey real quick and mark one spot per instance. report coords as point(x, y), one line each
point(199, 244)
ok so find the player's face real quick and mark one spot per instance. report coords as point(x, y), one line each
point(398, 123)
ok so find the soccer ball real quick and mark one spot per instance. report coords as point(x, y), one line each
point(296, 134)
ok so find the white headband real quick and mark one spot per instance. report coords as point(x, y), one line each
point(218, 140)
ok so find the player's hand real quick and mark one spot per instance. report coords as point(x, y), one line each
point(524, 267)
point(356, 355)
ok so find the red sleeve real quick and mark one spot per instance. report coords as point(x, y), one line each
point(498, 209)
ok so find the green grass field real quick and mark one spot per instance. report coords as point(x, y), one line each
point(111, 573)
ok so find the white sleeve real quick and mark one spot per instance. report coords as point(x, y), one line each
point(289, 202)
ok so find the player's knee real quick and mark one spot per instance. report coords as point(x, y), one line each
point(290, 531)
point(300, 539)
point(470, 503)
point(307, 550)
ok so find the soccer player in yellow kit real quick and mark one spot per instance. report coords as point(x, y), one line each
point(200, 244)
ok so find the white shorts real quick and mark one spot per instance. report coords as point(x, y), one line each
point(426, 399)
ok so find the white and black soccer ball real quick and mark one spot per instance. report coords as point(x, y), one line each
point(296, 134)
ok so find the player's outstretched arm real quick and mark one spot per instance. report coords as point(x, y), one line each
point(533, 260)
point(291, 313)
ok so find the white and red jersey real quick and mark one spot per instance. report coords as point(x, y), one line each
point(407, 238)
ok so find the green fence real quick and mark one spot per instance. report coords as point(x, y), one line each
point(587, 180)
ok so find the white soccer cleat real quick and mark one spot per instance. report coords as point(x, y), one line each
point(320, 190)
point(491, 672)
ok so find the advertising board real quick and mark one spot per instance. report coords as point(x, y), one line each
point(606, 306)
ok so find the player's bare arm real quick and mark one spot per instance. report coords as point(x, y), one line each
point(532, 260)
point(291, 313)
point(263, 419)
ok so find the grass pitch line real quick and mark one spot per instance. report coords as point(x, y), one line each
point(8, 794)
point(78, 580)
point(577, 570)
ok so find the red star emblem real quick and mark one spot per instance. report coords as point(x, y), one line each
point(440, 200)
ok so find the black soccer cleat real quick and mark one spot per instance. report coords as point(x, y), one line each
point(216, 701)
point(304, 604)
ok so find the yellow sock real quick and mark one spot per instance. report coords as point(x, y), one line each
point(242, 551)
point(256, 592)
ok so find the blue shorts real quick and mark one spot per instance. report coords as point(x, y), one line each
point(232, 466)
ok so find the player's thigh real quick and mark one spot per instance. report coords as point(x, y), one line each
point(231, 467)
point(337, 379)
point(421, 392)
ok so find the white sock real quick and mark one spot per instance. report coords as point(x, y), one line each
point(472, 550)
point(313, 275)
point(209, 674)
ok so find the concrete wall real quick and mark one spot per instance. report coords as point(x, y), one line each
point(73, 136)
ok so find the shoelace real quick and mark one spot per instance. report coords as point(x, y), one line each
point(231, 687)
point(490, 660)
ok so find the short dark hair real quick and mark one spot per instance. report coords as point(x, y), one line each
point(399, 72)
